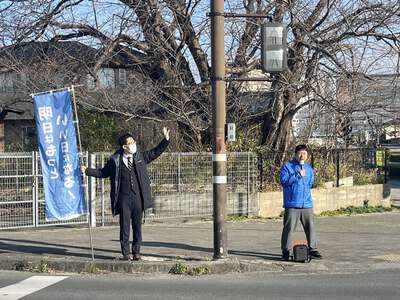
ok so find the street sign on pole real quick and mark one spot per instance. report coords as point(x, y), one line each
point(380, 158)
point(273, 47)
point(231, 132)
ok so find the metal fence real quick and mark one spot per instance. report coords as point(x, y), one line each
point(181, 185)
point(21, 192)
point(330, 166)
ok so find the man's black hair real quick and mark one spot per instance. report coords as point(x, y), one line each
point(123, 139)
point(300, 148)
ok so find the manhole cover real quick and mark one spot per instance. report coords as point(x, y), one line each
point(395, 258)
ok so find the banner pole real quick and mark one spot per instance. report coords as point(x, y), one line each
point(80, 160)
point(55, 90)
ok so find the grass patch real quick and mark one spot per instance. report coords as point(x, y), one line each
point(92, 269)
point(183, 269)
point(179, 269)
point(24, 266)
point(199, 270)
point(352, 210)
point(41, 267)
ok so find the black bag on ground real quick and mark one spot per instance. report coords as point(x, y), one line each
point(301, 253)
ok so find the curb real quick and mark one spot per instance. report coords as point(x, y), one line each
point(179, 267)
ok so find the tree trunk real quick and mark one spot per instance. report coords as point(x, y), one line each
point(277, 134)
point(276, 130)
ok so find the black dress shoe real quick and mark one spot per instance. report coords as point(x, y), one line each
point(285, 255)
point(126, 257)
point(136, 257)
point(315, 254)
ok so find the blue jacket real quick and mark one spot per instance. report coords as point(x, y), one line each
point(296, 189)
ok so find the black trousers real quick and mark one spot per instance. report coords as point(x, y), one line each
point(130, 213)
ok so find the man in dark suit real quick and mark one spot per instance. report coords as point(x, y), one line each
point(130, 188)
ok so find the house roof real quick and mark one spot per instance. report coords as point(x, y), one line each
point(59, 54)
point(36, 52)
point(24, 107)
point(62, 52)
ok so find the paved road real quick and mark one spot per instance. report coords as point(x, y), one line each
point(381, 284)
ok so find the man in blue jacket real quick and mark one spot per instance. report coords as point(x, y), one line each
point(297, 178)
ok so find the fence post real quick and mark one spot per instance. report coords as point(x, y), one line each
point(92, 191)
point(386, 170)
point(179, 172)
point(16, 173)
point(35, 206)
point(337, 167)
point(248, 182)
point(102, 193)
point(260, 168)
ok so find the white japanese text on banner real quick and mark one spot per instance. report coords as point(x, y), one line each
point(62, 181)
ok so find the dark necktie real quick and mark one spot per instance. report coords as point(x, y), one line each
point(130, 163)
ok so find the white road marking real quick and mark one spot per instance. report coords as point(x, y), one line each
point(28, 286)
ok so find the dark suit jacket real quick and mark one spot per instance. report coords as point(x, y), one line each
point(112, 169)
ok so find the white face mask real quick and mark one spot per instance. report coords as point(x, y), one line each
point(132, 148)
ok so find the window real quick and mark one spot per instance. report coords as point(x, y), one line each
point(7, 82)
point(106, 78)
point(121, 76)
point(21, 82)
point(29, 137)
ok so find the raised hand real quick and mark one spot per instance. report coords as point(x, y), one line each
point(166, 133)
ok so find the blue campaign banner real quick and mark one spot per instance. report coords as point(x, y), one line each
point(62, 180)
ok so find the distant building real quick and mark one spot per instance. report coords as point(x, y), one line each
point(41, 66)
point(314, 123)
point(373, 104)
point(364, 111)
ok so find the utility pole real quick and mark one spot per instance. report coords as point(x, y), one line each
point(218, 119)
point(274, 58)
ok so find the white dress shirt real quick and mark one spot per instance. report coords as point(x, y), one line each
point(125, 159)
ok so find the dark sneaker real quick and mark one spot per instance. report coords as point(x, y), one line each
point(315, 254)
point(285, 255)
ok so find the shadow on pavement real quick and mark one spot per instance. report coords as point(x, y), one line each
point(177, 246)
point(45, 248)
point(14, 246)
point(266, 256)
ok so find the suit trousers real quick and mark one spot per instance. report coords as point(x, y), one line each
point(130, 214)
point(291, 218)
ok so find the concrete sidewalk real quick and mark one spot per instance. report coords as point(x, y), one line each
point(346, 242)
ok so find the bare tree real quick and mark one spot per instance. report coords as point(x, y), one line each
point(327, 38)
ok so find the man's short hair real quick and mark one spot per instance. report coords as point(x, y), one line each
point(123, 139)
point(300, 148)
